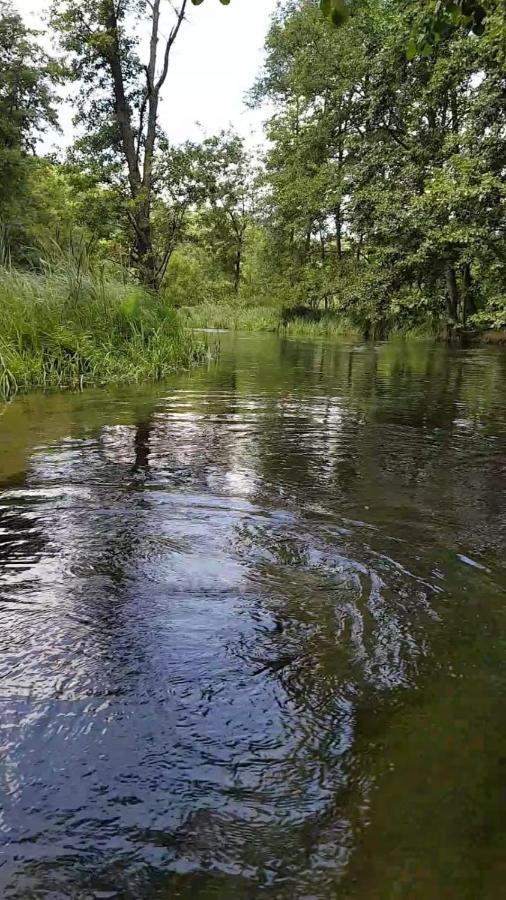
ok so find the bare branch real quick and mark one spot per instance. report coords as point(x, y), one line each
point(171, 245)
point(168, 47)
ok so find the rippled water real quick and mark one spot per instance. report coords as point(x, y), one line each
point(252, 629)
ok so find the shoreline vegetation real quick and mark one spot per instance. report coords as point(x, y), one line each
point(69, 329)
point(306, 322)
point(65, 330)
point(230, 317)
point(374, 207)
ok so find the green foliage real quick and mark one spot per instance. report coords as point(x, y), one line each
point(336, 11)
point(435, 19)
point(194, 277)
point(438, 18)
point(72, 328)
point(385, 193)
point(231, 317)
point(27, 109)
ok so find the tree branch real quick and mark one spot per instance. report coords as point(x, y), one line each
point(393, 134)
point(171, 245)
point(170, 41)
point(142, 113)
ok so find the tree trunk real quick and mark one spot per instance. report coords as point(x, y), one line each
point(143, 246)
point(452, 297)
point(339, 245)
point(322, 246)
point(237, 267)
point(140, 180)
point(468, 305)
point(121, 105)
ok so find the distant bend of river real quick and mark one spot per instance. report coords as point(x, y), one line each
point(253, 629)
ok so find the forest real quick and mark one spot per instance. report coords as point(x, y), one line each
point(373, 204)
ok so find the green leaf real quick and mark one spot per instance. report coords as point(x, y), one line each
point(411, 50)
point(335, 10)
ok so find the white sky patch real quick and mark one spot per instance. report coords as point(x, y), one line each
point(215, 61)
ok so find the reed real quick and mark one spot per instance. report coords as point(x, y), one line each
point(229, 317)
point(263, 318)
point(70, 327)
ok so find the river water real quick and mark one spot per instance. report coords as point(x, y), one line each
point(253, 629)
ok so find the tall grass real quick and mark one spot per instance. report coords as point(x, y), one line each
point(229, 317)
point(328, 326)
point(263, 318)
point(70, 328)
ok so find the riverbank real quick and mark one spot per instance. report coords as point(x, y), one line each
point(69, 330)
point(306, 322)
point(493, 336)
point(264, 319)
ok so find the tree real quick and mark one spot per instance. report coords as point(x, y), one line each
point(226, 199)
point(27, 108)
point(385, 190)
point(311, 79)
point(427, 193)
point(120, 96)
point(180, 191)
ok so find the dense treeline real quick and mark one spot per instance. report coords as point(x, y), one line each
point(386, 191)
point(378, 197)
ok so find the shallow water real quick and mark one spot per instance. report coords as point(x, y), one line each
point(253, 629)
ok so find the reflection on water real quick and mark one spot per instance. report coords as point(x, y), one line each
point(252, 629)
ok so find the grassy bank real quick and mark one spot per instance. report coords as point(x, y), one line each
point(261, 318)
point(69, 330)
point(232, 318)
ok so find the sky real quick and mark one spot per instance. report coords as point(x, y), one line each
point(215, 60)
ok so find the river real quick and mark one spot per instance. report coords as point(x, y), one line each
point(253, 629)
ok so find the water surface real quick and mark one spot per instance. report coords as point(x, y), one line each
point(253, 629)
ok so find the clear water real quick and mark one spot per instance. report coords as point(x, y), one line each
point(253, 629)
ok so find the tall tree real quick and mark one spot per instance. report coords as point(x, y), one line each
point(120, 95)
point(27, 108)
point(395, 162)
point(227, 198)
point(312, 79)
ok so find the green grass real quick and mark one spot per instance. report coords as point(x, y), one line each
point(261, 318)
point(328, 326)
point(232, 318)
point(67, 330)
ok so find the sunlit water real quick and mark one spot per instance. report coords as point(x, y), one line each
point(253, 629)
